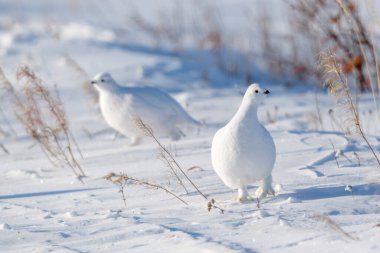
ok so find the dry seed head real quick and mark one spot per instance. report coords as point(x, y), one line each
point(340, 91)
point(209, 206)
point(44, 119)
point(143, 127)
point(120, 180)
point(109, 176)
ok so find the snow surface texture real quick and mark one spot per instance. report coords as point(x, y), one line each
point(122, 106)
point(45, 209)
point(243, 151)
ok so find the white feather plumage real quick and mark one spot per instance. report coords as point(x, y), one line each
point(121, 106)
point(243, 151)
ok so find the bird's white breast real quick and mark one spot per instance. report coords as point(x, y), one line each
point(243, 153)
point(116, 111)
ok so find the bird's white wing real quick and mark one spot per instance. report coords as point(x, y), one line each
point(141, 104)
point(160, 99)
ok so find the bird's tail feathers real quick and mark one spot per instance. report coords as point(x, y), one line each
point(187, 119)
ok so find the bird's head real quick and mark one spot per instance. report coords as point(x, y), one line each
point(255, 94)
point(103, 81)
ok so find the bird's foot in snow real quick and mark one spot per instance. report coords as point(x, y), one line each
point(243, 199)
point(265, 188)
point(243, 196)
point(262, 192)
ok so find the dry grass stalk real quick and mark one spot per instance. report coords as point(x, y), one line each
point(318, 110)
point(7, 122)
point(337, 25)
point(4, 90)
point(4, 148)
point(334, 121)
point(377, 22)
point(363, 41)
point(336, 158)
point(122, 180)
point(165, 155)
point(3, 132)
point(175, 28)
point(333, 225)
point(173, 164)
point(211, 204)
point(44, 119)
point(86, 80)
point(340, 91)
point(356, 156)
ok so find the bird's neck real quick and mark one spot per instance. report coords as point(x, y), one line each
point(111, 88)
point(247, 112)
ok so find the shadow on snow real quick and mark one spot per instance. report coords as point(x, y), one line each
point(38, 194)
point(315, 193)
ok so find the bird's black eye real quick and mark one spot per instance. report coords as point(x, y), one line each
point(256, 91)
point(102, 80)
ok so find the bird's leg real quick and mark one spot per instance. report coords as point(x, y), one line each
point(135, 141)
point(265, 188)
point(242, 194)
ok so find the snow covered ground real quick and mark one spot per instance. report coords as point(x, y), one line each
point(45, 209)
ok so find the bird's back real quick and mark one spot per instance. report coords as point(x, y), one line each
point(160, 99)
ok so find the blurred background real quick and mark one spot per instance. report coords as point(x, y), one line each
point(215, 43)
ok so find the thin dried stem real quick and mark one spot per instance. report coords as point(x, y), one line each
point(172, 161)
point(336, 159)
point(148, 130)
point(82, 74)
point(341, 92)
point(44, 119)
point(169, 163)
point(122, 180)
point(333, 225)
point(4, 148)
point(357, 28)
point(377, 22)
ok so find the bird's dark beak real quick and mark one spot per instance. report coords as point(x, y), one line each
point(93, 82)
point(266, 92)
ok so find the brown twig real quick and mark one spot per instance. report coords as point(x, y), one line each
point(340, 90)
point(4, 148)
point(122, 180)
point(333, 225)
point(44, 119)
point(171, 160)
point(336, 159)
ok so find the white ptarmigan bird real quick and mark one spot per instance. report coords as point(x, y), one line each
point(121, 106)
point(243, 151)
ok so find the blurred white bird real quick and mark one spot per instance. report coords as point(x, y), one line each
point(243, 151)
point(121, 106)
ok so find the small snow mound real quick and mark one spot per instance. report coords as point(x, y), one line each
point(112, 214)
point(278, 188)
point(151, 231)
point(284, 223)
point(261, 214)
point(183, 99)
point(48, 216)
point(293, 200)
point(32, 174)
point(5, 226)
point(72, 214)
point(80, 31)
point(140, 72)
point(64, 234)
point(61, 222)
